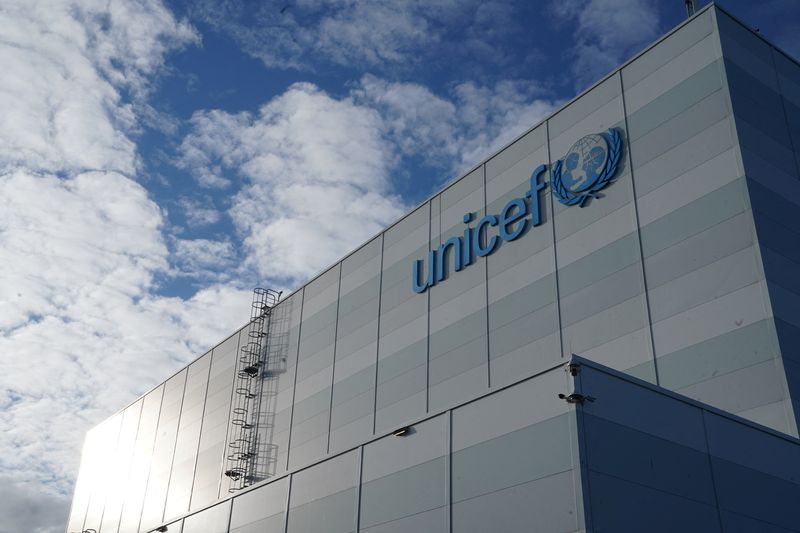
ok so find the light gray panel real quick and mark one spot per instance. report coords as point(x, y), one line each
point(140, 467)
point(707, 283)
point(518, 150)
point(756, 385)
point(696, 183)
point(607, 292)
point(589, 102)
point(120, 467)
point(402, 386)
point(460, 359)
point(188, 440)
point(599, 264)
point(261, 510)
point(624, 318)
point(432, 521)
point(405, 236)
point(412, 309)
point(542, 506)
point(211, 520)
point(362, 264)
point(704, 248)
point(526, 359)
point(740, 348)
point(161, 464)
point(668, 49)
point(523, 330)
point(525, 300)
point(404, 476)
point(391, 416)
point(683, 126)
point(691, 219)
point(323, 497)
point(524, 455)
point(734, 310)
point(459, 387)
point(687, 93)
point(458, 333)
point(402, 361)
point(683, 157)
point(509, 410)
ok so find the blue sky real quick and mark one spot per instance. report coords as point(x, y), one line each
point(160, 158)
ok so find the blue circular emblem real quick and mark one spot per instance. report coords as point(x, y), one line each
point(588, 167)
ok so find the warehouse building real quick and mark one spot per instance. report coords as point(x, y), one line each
point(429, 380)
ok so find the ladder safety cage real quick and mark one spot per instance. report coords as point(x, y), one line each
point(241, 459)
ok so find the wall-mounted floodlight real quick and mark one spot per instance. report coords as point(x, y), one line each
point(162, 529)
point(401, 432)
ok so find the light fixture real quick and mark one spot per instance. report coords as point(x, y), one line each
point(401, 432)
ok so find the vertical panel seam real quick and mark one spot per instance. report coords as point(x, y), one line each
point(152, 452)
point(333, 365)
point(225, 442)
point(486, 290)
point(449, 473)
point(105, 498)
point(175, 445)
point(288, 493)
point(360, 480)
point(635, 201)
point(783, 109)
point(294, 386)
point(130, 464)
point(551, 203)
point(711, 467)
point(378, 339)
point(428, 312)
point(200, 434)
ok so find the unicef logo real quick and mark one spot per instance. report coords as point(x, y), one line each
point(587, 168)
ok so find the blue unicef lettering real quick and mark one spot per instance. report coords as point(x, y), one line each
point(588, 167)
point(461, 251)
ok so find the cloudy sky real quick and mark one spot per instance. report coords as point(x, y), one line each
point(158, 159)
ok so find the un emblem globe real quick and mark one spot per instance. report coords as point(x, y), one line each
point(584, 163)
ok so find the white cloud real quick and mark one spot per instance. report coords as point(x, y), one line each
point(606, 32)
point(455, 132)
point(300, 34)
point(24, 509)
point(205, 259)
point(64, 65)
point(82, 328)
point(315, 173)
point(306, 160)
point(199, 212)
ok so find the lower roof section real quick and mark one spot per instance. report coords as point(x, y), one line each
point(578, 447)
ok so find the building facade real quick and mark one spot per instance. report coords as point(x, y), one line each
point(414, 385)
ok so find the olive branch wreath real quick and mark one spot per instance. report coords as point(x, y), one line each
point(567, 197)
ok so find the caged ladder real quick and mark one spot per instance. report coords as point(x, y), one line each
point(251, 373)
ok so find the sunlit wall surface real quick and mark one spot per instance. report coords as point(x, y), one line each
point(684, 273)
